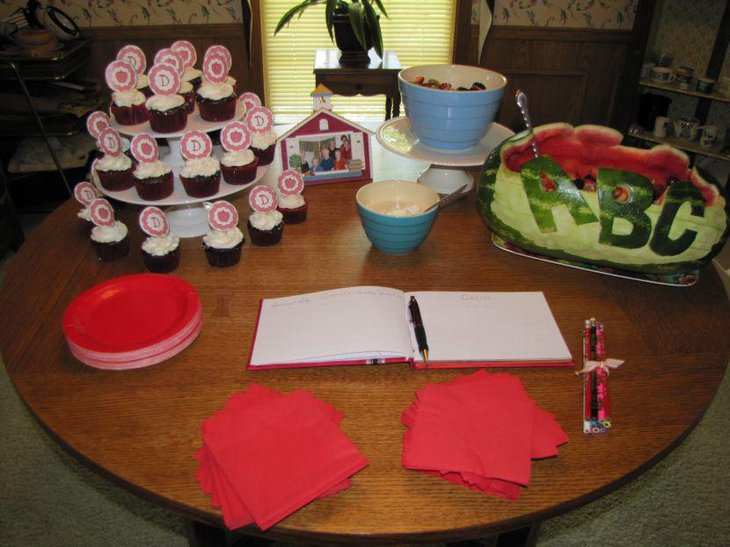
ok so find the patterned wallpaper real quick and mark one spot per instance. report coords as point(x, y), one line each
point(598, 14)
point(103, 13)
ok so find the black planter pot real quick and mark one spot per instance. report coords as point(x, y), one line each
point(353, 53)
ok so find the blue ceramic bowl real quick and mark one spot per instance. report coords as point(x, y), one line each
point(451, 120)
point(390, 211)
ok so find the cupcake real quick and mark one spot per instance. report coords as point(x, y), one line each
point(153, 180)
point(265, 225)
point(128, 107)
point(201, 177)
point(223, 248)
point(85, 194)
point(193, 76)
point(201, 174)
point(110, 242)
point(216, 101)
point(115, 172)
point(239, 166)
point(166, 109)
point(161, 254)
point(290, 202)
point(263, 145)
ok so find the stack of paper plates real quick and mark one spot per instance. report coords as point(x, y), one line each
point(132, 321)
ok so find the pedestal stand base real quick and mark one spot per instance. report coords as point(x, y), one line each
point(188, 220)
point(445, 180)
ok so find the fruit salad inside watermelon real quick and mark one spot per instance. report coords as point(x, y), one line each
point(589, 199)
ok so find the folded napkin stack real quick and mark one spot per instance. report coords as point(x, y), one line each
point(267, 454)
point(481, 431)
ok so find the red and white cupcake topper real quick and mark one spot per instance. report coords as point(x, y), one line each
point(120, 76)
point(110, 142)
point(144, 148)
point(262, 199)
point(164, 79)
point(249, 99)
point(96, 122)
point(222, 51)
point(101, 212)
point(168, 56)
point(85, 193)
point(222, 216)
point(260, 119)
point(215, 68)
point(154, 222)
point(290, 182)
point(235, 136)
point(187, 52)
point(134, 56)
point(195, 145)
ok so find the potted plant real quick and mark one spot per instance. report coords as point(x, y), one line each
point(353, 25)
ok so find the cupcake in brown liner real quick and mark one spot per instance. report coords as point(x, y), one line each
point(153, 180)
point(293, 210)
point(167, 113)
point(110, 242)
point(239, 166)
point(193, 76)
point(115, 172)
point(216, 102)
point(265, 229)
point(223, 248)
point(263, 145)
point(161, 254)
point(128, 107)
point(201, 177)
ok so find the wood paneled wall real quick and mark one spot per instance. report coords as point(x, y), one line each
point(106, 41)
point(569, 76)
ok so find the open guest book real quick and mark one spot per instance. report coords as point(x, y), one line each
point(372, 325)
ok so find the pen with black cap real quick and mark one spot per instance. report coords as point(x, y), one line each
point(418, 328)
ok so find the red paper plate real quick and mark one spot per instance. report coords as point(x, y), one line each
point(130, 313)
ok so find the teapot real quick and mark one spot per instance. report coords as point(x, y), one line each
point(686, 128)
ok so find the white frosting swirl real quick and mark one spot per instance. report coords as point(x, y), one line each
point(128, 98)
point(185, 87)
point(223, 240)
point(265, 221)
point(109, 234)
point(149, 170)
point(160, 246)
point(293, 201)
point(238, 158)
point(262, 139)
point(163, 103)
point(200, 167)
point(122, 162)
point(191, 73)
point(215, 92)
point(84, 214)
point(142, 81)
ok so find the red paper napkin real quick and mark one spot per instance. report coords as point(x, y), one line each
point(267, 454)
point(480, 431)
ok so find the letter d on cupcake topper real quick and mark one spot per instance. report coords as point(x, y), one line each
point(96, 122)
point(101, 212)
point(110, 142)
point(154, 222)
point(262, 199)
point(164, 79)
point(195, 145)
point(134, 56)
point(260, 119)
point(144, 148)
point(235, 136)
point(290, 182)
point(120, 76)
point(85, 193)
point(222, 216)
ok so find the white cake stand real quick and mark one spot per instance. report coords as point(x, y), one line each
point(446, 173)
point(188, 216)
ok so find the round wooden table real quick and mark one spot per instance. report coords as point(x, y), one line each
point(141, 427)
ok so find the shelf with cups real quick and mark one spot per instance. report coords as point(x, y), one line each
point(674, 88)
point(718, 152)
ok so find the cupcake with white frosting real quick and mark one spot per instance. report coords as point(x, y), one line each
point(128, 107)
point(110, 242)
point(161, 254)
point(223, 242)
point(290, 202)
point(239, 163)
point(265, 223)
point(201, 173)
point(153, 180)
point(216, 101)
point(115, 172)
point(263, 145)
point(166, 108)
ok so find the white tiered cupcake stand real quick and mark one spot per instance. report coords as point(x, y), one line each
point(187, 215)
point(446, 173)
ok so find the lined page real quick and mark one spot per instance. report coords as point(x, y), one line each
point(340, 324)
point(490, 326)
